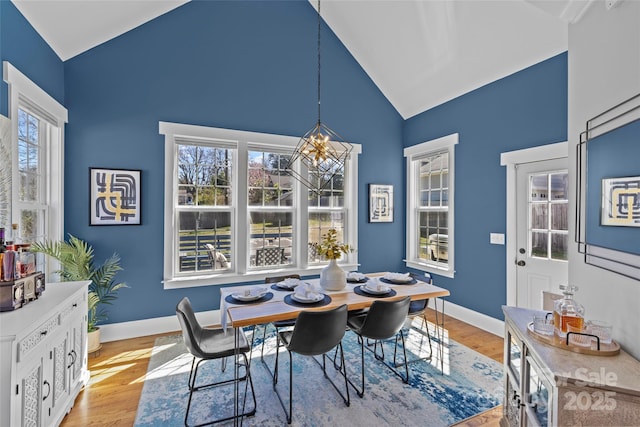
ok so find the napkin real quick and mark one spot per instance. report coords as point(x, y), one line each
point(307, 290)
point(354, 275)
point(290, 282)
point(398, 277)
point(253, 291)
point(376, 285)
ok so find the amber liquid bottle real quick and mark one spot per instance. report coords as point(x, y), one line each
point(567, 311)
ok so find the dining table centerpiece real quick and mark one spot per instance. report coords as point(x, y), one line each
point(332, 277)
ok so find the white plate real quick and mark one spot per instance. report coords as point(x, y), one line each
point(243, 297)
point(375, 291)
point(283, 285)
point(304, 300)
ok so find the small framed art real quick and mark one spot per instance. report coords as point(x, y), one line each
point(114, 195)
point(380, 203)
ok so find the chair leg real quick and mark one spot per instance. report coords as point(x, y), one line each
point(359, 391)
point(193, 388)
point(275, 380)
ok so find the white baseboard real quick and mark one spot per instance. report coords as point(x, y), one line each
point(161, 325)
point(157, 325)
point(474, 318)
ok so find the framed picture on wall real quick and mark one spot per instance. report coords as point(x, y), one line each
point(114, 196)
point(621, 201)
point(380, 203)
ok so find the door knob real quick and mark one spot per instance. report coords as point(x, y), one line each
point(521, 263)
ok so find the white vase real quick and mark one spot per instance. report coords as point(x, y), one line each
point(332, 277)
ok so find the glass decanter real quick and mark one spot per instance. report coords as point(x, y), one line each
point(566, 311)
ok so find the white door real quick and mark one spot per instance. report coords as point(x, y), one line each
point(542, 230)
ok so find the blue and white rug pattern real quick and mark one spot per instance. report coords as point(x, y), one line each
point(471, 384)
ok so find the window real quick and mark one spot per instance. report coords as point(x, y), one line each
point(548, 215)
point(37, 122)
point(327, 210)
point(234, 214)
point(430, 210)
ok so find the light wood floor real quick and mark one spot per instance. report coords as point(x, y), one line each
point(117, 373)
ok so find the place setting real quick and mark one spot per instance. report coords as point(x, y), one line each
point(374, 289)
point(286, 285)
point(398, 279)
point(307, 295)
point(250, 295)
point(355, 277)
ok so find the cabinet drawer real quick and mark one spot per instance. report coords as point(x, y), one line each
point(72, 308)
point(34, 338)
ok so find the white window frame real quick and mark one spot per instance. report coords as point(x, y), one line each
point(413, 155)
point(243, 142)
point(25, 94)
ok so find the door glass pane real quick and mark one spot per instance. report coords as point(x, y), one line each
point(539, 218)
point(559, 246)
point(204, 241)
point(559, 217)
point(559, 186)
point(539, 244)
point(538, 187)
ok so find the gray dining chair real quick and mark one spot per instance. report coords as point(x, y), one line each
point(211, 344)
point(314, 333)
point(384, 320)
point(418, 308)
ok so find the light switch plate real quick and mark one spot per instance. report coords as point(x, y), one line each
point(496, 238)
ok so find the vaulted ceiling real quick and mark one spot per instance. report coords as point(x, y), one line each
point(420, 53)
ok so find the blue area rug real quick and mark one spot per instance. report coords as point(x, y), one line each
point(469, 384)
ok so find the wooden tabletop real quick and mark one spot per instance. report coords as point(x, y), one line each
point(271, 311)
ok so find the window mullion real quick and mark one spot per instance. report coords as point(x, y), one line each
point(242, 228)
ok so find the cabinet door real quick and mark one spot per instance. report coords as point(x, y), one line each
point(513, 360)
point(60, 362)
point(30, 396)
point(77, 353)
point(538, 391)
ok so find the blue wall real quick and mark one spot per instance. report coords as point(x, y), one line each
point(612, 155)
point(522, 110)
point(23, 47)
point(248, 65)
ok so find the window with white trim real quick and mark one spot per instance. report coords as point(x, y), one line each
point(430, 205)
point(37, 122)
point(234, 214)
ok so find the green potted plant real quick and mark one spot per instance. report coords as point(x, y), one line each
point(76, 263)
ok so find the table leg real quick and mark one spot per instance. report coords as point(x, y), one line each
point(236, 373)
point(440, 331)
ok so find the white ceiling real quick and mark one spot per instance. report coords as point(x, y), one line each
point(420, 53)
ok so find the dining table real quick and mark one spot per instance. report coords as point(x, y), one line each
point(277, 304)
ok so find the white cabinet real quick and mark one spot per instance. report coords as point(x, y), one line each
point(43, 350)
point(549, 386)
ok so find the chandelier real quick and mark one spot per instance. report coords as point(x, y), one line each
point(322, 153)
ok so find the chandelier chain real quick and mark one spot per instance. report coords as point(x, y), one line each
point(319, 21)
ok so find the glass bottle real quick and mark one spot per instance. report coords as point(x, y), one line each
point(566, 311)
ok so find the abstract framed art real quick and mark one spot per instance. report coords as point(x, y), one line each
point(114, 197)
point(621, 201)
point(380, 203)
